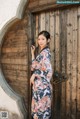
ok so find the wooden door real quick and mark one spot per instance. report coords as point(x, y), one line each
point(64, 27)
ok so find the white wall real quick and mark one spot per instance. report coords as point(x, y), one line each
point(9, 104)
point(10, 10)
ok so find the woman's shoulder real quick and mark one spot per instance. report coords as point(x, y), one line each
point(46, 52)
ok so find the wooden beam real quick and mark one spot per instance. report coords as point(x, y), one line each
point(35, 8)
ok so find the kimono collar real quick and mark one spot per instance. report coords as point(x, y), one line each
point(44, 48)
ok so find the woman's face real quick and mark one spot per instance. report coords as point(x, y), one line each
point(42, 41)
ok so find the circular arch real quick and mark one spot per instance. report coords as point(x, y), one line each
point(3, 83)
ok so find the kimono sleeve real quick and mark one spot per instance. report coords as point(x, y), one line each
point(35, 65)
point(44, 68)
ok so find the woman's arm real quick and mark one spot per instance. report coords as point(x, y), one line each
point(32, 52)
point(43, 68)
point(32, 79)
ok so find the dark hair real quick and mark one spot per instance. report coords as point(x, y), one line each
point(45, 33)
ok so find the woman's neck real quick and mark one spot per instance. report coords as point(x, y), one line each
point(44, 48)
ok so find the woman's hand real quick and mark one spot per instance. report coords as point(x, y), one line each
point(32, 49)
point(32, 79)
point(32, 52)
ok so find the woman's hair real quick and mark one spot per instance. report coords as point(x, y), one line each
point(45, 33)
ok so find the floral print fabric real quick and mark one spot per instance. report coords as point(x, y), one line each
point(42, 89)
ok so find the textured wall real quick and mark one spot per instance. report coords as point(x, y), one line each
point(10, 11)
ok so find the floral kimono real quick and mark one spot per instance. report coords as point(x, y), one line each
point(42, 89)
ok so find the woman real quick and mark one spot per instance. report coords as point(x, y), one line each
point(40, 79)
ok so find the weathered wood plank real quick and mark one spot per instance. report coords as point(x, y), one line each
point(57, 65)
point(40, 2)
point(14, 67)
point(69, 64)
point(57, 40)
point(37, 25)
point(63, 44)
point(78, 81)
point(12, 78)
point(34, 30)
point(47, 22)
point(30, 35)
point(52, 50)
point(14, 55)
point(13, 49)
point(37, 29)
point(42, 21)
point(16, 73)
point(39, 21)
point(15, 61)
point(33, 4)
point(52, 31)
point(13, 42)
point(74, 63)
point(20, 35)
